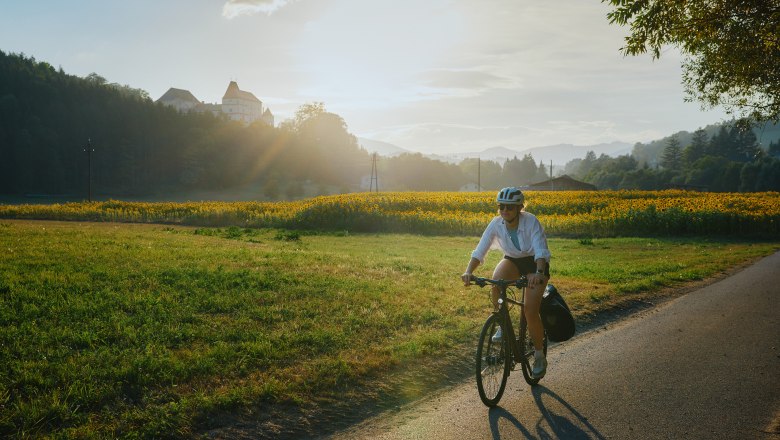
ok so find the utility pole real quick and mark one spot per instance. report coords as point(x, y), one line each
point(552, 185)
point(374, 177)
point(479, 174)
point(89, 151)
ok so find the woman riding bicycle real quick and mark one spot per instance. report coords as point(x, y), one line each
point(522, 239)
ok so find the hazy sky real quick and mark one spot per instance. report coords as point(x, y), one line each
point(426, 75)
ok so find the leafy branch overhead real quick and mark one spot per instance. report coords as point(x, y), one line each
point(731, 48)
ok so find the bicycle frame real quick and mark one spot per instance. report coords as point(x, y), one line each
point(503, 308)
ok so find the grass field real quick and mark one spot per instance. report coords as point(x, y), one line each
point(154, 331)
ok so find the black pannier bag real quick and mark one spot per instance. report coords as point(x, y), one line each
point(556, 316)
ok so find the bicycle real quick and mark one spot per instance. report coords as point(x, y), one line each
point(497, 359)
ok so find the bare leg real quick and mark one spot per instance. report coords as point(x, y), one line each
point(505, 270)
point(533, 302)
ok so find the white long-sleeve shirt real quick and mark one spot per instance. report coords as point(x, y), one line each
point(530, 235)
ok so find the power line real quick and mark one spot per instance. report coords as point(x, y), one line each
point(89, 151)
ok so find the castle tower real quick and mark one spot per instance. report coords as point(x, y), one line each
point(240, 105)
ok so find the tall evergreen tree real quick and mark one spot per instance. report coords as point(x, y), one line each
point(672, 157)
point(510, 172)
point(747, 148)
point(722, 143)
point(527, 172)
point(542, 172)
point(697, 149)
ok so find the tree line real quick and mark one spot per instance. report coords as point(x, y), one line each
point(144, 149)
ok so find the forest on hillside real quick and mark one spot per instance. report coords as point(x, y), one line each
point(139, 148)
point(731, 159)
point(65, 135)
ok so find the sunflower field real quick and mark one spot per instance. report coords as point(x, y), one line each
point(563, 213)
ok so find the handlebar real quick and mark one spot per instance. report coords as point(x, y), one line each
point(482, 282)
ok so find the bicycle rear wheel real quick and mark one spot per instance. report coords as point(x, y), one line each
point(493, 361)
point(526, 344)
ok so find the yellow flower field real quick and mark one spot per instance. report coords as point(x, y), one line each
point(563, 213)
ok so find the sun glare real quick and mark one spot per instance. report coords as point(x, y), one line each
point(375, 58)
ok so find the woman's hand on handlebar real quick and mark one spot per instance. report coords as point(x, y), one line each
point(536, 279)
point(466, 278)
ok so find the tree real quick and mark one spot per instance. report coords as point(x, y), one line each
point(646, 155)
point(326, 145)
point(509, 171)
point(735, 143)
point(643, 179)
point(731, 48)
point(131, 92)
point(572, 167)
point(747, 145)
point(774, 148)
point(608, 172)
point(749, 176)
point(672, 158)
point(729, 180)
point(722, 143)
point(697, 149)
point(519, 172)
point(96, 79)
point(706, 171)
point(769, 176)
point(587, 164)
point(528, 170)
point(541, 173)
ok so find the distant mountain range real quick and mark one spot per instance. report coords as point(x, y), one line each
point(559, 154)
point(382, 148)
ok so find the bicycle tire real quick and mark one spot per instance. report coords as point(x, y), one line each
point(493, 362)
point(525, 344)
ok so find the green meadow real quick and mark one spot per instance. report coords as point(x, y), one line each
point(153, 331)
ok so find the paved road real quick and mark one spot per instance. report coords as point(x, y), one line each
point(704, 366)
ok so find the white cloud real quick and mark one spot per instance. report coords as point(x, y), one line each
point(235, 8)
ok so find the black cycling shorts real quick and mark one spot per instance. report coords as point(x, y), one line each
point(527, 265)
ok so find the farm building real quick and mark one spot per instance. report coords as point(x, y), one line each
point(562, 183)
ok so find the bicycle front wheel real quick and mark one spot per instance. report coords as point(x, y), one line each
point(493, 361)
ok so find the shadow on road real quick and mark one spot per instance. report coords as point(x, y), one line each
point(566, 424)
point(558, 419)
point(496, 414)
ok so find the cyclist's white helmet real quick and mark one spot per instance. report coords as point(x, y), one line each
point(510, 196)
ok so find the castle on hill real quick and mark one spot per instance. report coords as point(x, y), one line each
point(237, 104)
